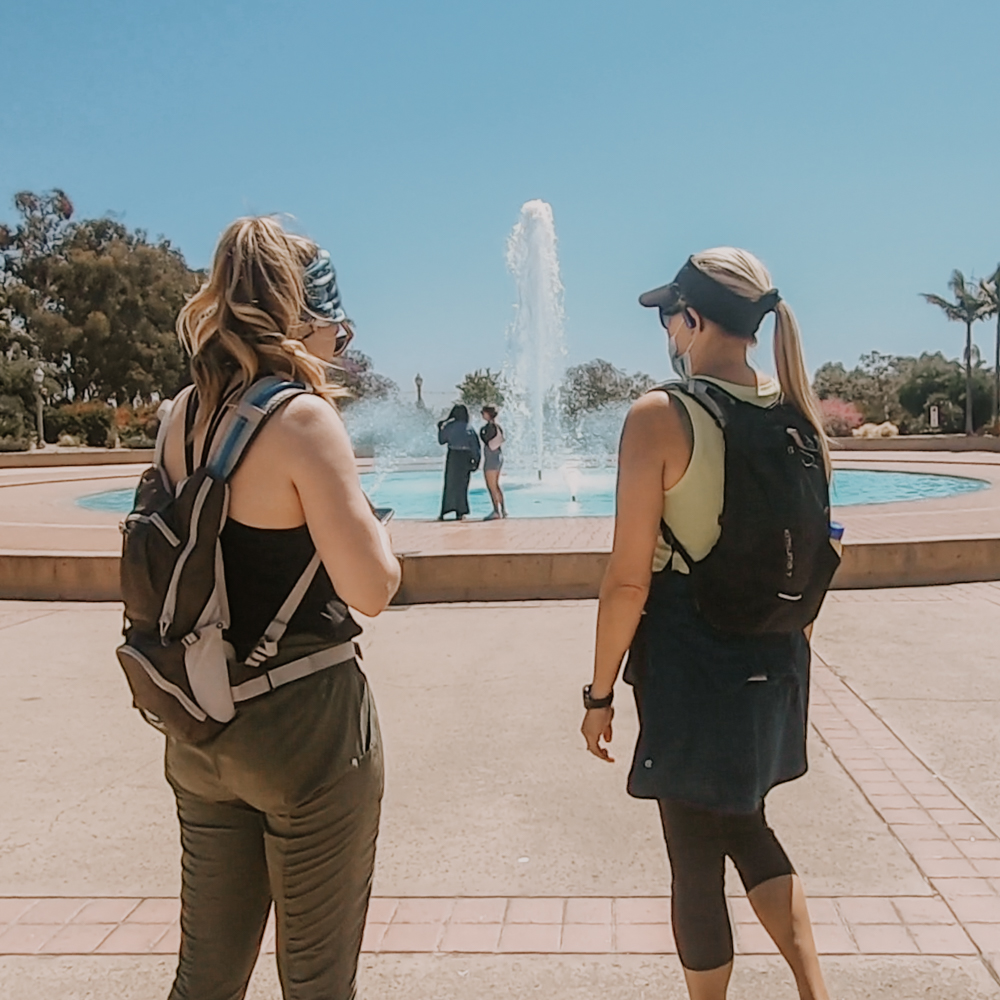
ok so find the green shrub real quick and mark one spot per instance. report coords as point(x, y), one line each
point(13, 423)
point(91, 422)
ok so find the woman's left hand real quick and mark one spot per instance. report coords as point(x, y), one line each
point(597, 726)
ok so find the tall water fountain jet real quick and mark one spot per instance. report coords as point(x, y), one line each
point(535, 342)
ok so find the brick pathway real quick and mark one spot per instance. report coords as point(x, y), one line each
point(956, 852)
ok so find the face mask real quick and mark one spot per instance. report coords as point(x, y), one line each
point(681, 363)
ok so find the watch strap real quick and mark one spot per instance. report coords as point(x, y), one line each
point(590, 702)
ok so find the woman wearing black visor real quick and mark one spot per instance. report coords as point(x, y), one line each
point(721, 560)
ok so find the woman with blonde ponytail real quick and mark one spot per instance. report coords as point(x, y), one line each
point(282, 806)
point(711, 589)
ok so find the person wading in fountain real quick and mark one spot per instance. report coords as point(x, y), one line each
point(283, 804)
point(492, 435)
point(715, 619)
point(462, 461)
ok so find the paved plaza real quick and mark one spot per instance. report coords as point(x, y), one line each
point(511, 863)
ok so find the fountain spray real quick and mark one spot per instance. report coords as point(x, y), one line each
point(535, 341)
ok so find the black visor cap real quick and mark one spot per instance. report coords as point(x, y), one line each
point(693, 287)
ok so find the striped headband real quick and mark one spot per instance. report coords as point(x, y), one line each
point(322, 294)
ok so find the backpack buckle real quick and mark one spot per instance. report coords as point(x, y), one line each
point(803, 445)
point(266, 648)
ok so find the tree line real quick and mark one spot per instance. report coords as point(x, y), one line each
point(899, 389)
point(87, 313)
point(973, 302)
point(903, 390)
point(583, 389)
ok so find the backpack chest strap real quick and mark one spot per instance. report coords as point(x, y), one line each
point(268, 644)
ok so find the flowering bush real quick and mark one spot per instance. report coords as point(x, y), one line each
point(840, 417)
point(137, 425)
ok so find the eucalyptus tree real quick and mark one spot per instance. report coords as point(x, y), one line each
point(970, 306)
point(482, 387)
point(990, 290)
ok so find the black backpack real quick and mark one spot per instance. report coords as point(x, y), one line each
point(182, 672)
point(773, 562)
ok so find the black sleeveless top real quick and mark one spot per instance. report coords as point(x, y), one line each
point(262, 565)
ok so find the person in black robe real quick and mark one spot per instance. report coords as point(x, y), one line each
point(463, 459)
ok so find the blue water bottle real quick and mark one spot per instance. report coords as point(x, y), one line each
point(837, 537)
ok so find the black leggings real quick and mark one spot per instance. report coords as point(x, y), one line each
point(698, 841)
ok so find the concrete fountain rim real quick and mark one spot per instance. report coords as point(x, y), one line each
point(951, 540)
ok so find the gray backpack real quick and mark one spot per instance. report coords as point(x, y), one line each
point(181, 671)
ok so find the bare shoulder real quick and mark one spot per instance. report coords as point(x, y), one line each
point(307, 419)
point(308, 413)
point(306, 431)
point(652, 416)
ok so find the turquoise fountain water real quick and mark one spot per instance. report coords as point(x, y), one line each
point(575, 492)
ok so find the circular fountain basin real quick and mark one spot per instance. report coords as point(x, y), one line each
point(575, 492)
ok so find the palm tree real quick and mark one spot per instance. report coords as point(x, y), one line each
point(969, 306)
point(989, 289)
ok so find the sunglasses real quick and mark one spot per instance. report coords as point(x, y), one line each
point(667, 313)
point(345, 334)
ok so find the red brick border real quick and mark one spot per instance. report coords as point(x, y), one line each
point(844, 925)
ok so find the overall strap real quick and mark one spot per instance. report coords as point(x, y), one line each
point(243, 423)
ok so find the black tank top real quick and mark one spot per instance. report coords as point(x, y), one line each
point(262, 565)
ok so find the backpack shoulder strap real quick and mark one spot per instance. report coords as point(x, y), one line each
point(221, 412)
point(190, 416)
point(178, 406)
point(681, 388)
point(244, 422)
point(710, 397)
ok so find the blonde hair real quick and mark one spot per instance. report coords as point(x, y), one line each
point(238, 325)
point(741, 272)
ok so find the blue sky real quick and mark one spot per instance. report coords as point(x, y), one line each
point(854, 146)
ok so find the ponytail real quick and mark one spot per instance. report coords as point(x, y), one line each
point(793, 376)
point(743, 273)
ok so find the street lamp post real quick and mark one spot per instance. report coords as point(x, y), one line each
point(39, 378)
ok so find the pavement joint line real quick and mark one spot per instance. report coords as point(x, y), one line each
point(858, 733)
point(25, 621)
point(844, 925)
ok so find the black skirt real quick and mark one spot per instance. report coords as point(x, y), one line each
point(722, 717)
point(457, 470)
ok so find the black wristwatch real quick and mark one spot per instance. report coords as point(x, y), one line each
point(589, 702)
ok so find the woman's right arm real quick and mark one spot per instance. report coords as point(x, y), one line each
point(352, 543)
